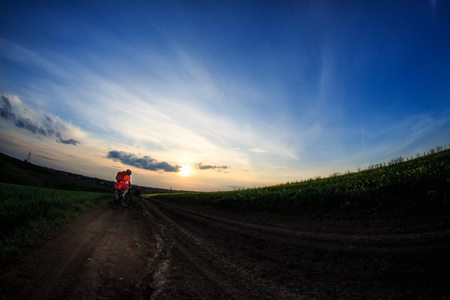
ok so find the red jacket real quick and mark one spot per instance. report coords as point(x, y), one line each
point(127, 180)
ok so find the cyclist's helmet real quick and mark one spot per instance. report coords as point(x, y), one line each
point(129, 171)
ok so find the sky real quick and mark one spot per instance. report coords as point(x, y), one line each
point(223, 95)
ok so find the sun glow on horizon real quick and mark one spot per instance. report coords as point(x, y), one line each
point(186, 171)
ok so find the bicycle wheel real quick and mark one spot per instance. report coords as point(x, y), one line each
point(126, 201)
point(115, 203)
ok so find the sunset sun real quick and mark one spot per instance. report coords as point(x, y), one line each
point(185, 170)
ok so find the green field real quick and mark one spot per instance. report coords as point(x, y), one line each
point(30, 213)
point(419, 186)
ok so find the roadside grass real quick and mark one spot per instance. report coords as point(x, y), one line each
point(29, 213)
point(405, 189)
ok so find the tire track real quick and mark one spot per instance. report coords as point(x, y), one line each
point(70, 257)
point(182, 250)
point(375, 241)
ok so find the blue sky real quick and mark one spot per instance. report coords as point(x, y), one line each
point(219, 95)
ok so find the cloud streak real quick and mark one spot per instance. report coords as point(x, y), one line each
point(257, 150)
point(49, 128)
point(145, 162)
point(201, 166)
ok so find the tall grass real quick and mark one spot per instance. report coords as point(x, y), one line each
point(29, 213)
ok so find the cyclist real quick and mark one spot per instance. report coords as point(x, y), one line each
point(123, 181)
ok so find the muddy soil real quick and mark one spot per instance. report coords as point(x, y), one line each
point(162, 250)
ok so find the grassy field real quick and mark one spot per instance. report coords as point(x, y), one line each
point(19, 172)
point(36, 201)
point(30, 213)
point(419, 186)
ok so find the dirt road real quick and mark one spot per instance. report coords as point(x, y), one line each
point(160, 250)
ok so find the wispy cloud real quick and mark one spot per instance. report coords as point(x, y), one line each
point(46, 157)
point(257, 150)
point(397, 136)
point(35, 60)
point(144, 162)
point(46, 126)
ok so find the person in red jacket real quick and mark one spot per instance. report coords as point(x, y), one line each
point(123, 181)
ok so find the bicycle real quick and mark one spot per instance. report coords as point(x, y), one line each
point(119, 200)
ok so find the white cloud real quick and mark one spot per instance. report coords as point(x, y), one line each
point(258, 150)
point(13, 110)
